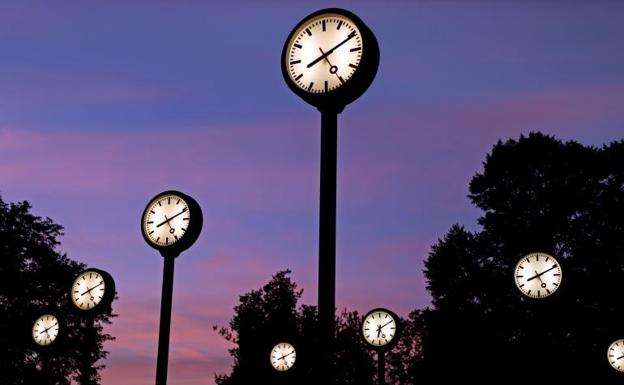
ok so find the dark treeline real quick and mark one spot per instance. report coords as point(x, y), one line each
point(536, 194)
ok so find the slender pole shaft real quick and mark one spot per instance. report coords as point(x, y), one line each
point(381, 367)
point(327, 242)
point(165, 322)
point(88, 338)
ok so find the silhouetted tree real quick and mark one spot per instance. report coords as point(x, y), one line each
point(270, 315)
point(537, 194)
point(34, 279)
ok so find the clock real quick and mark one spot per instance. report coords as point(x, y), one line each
point(171, 222)
point(330, 58)
point(380, 328)
point(92, 289)
point(283, 356)
point(615, 354)
point(45, 330)
point(538, 275)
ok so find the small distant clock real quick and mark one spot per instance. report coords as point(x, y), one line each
point(92, 290)
point(171, 222)
point(45, 330)
point(615, 354)
point(283, 356)
point(380, 328)
point(330, 58)
point(538, 275)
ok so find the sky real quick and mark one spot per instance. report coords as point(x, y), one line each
point(104, 105)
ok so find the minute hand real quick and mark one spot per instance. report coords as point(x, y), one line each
point(162, 223)
point(542, 273)
point(327, 53)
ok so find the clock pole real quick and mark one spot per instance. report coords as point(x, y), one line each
point(327, 241)
point(381, 367)
point(165, 320)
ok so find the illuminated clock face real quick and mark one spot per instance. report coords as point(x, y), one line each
point(88, 290)
point(283, 356)
point(615, 354)
point(538, 275)
point(166, 220)
point(379, 328)
point(323, 53)
point(45, 330)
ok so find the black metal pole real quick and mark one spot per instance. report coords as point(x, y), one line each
point(327, 243)
point(165, 322)
point(381, 367)
point(88, 339)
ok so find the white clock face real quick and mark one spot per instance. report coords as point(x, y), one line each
point(45, 330)
point(615, 354)
point(324, 53)
point(379, 328)
point(88, 290)
point(283, 356)
point(538, 275)
point(166, 220)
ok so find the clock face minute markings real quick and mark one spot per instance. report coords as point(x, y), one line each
point(283, 356)
point(615, 354)
point(166, 220)
point(324, 53)
point(88, 290)
point(379, 328)
point(45, 330)
point(538, 275)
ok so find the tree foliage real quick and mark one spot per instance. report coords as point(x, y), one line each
point(35, 279)
point(537, 194)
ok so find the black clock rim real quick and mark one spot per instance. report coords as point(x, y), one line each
point(107, 299)
point(397, 336)
point(192, 232)
point(356, 85)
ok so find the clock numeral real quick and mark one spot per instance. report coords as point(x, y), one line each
point(323, 25)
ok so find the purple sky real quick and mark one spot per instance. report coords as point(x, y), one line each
point(104, 105)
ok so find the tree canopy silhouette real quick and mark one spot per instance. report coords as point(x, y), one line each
point(537, 194)
point(34, 279)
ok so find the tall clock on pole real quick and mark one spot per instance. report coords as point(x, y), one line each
point(329, 60)
point(171, 223)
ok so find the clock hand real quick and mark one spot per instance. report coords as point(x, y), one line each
point(332, 68)
point(543, 285)
point(168, 219)
point(282, 357)
point(91, 288)
point(378, 331)
point(387, 323)
point(318, 59)
point(542, 273)
point(620, 357)
point(46, 330)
